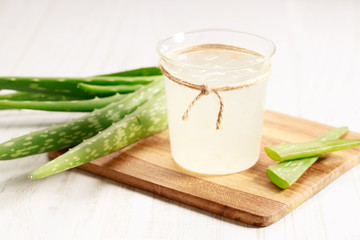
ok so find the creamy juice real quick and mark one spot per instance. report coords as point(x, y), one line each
point(195, 143)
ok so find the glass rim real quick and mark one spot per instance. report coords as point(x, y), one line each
point(172, 61)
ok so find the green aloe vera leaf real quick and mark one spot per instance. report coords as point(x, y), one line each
point(148, 71)
point(284, 174)
point(290, 151)
point(76, 130)
point(102, 90)
point(68, 86)
point(27, 96)
point(82, 105)
point(86, 105)
point(144, 121)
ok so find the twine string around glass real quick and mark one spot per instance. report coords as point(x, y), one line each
point(206, 90)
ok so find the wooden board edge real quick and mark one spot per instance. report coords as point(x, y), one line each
point(189, 199)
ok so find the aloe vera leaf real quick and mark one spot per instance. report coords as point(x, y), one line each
point(67, 86)
point(284, 174)
point(76, 130)
point(30, 96)
point(120, 80)
point(30, 84)
point(144, 121)
point(86, 105)
point(101, 90)
point(26, 96)
point(148, 71)
point(290, 151)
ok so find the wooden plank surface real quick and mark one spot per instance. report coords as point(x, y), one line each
point(248, 196)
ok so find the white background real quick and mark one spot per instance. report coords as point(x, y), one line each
point(316, 75)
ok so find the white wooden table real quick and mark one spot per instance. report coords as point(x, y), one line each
point(316, 75)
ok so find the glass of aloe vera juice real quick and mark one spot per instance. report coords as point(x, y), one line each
point(215, 83)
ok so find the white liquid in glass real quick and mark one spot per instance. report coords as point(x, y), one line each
point(195, 143)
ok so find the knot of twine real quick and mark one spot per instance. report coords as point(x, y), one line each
point(206, 90)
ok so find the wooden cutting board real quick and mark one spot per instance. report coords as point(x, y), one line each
point(247, 196)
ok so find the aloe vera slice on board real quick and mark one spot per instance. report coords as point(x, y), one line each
point(291, 151)
point(284, 174)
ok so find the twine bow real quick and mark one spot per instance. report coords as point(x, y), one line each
point(206, 90)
